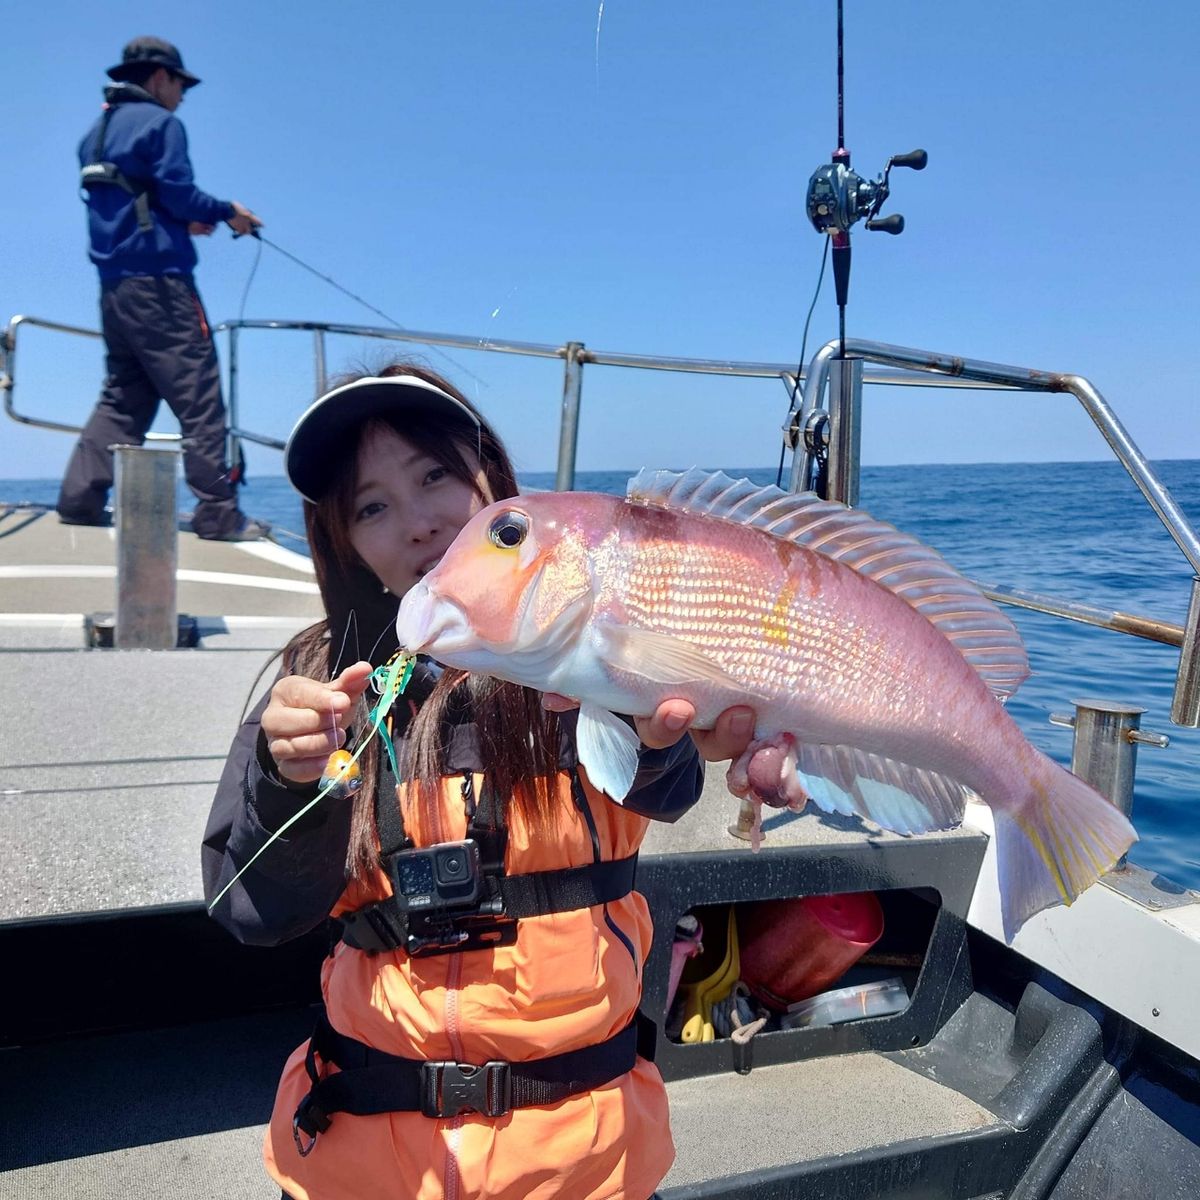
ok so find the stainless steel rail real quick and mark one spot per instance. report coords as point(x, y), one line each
point(1104, 752)
point(1166, 632)
point(573, 355)
point(8, 378)
point(1021, 379)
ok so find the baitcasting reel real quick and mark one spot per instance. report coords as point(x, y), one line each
point(838, 196)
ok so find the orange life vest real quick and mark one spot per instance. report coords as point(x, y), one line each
point(570, 980)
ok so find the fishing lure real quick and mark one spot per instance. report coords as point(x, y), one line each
point(342, 775)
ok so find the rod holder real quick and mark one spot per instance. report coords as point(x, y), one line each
point(1104, 752)
point(1185, 706)
point(147, 548)
point(845, 429)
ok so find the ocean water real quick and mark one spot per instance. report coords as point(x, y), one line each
point(1076, 531)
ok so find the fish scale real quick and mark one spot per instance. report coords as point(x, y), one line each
point(715, 592)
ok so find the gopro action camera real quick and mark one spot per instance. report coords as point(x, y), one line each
point(446, 876)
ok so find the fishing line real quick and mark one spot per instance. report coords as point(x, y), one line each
point(335, 732)
point(260, 237)
point(800, 366)
point(599, 19)
point(388, 681)
point(250, 280)
point(351, 622)
point(841, 106)
point(841, 79)
point(382, 634)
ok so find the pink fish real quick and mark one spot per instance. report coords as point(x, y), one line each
point(877, 672)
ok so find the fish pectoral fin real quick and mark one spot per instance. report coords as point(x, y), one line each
point(893, 794)
point(608, 750)
point(659, 657)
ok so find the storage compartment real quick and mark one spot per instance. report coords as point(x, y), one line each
point(744, 969)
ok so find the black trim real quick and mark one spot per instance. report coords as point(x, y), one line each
point(624, 938)
point(578, 795)
point(580, 798)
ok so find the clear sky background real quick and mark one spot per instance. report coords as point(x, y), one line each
point(508, 170)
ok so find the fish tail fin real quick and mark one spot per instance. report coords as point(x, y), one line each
point(1054, 844)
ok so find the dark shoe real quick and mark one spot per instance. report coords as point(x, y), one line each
point(102, 521)
point(250, 530)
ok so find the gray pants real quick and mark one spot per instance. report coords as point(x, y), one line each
point(158, 348)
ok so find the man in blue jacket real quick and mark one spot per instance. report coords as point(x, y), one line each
point(143, 209)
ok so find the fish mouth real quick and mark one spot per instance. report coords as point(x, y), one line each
point(430, 624)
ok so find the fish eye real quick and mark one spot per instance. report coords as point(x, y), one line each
point(509, 530)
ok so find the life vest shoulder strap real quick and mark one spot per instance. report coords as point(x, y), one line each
point(392, 924)
point(101, 174)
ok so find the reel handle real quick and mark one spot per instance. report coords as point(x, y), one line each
point(917, 159)
point(893, 224)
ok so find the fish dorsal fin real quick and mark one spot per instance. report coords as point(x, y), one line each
point(984, 636)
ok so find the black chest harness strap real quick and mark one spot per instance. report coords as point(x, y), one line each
point(428, 923)
point(369, 1081)
point(106, 174)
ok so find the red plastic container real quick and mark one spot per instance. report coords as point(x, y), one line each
point(793, 949)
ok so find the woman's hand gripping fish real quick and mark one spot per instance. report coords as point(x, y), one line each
point(877, 672)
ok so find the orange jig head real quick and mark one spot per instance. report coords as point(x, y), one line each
point(341, 776)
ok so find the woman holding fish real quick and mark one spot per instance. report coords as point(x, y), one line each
point(482, 998)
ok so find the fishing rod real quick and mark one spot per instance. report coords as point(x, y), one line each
point(839, 197)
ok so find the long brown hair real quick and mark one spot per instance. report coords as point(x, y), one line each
point(518, 739)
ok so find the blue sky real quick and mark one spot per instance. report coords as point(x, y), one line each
point(499, 170)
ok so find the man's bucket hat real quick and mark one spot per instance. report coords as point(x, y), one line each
point(151, 51)
point(323, 431)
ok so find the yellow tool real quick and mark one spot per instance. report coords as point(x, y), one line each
point(700, 996)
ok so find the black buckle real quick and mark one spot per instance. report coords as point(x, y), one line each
point(441, 933)
point(450, 1088)
point(310, 1120)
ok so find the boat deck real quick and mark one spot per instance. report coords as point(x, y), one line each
point(48, 569)
point(109, 759)
point(182, 1113)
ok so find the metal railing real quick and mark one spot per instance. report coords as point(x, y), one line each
point(833, 433)
point(811, 431)
point(573, 355)
point(8, 377)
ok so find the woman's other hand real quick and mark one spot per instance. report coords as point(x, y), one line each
point(305, 720)
point(728, 738)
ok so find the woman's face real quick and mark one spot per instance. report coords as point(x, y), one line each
point(407, 509)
